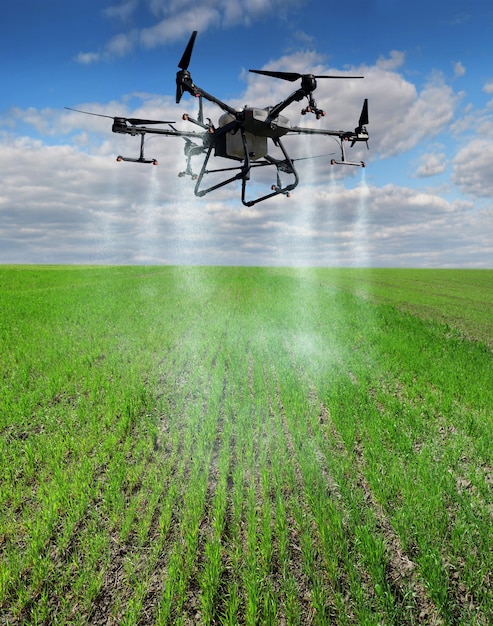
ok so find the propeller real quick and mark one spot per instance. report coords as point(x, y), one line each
point(134, 121)
point(363, 118)
point(363, 121)
point(187, 55)
point(292, 76)
point(183, 65)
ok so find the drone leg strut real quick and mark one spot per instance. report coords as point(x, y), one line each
point(243, 174)
point(277, 189)
point(343, 160)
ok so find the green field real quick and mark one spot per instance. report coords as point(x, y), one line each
point(193, 445)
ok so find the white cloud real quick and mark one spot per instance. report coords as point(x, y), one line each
point(174, 19)
point(175, 27)
point(122, 11)
point(120, 45)
point(459, 69)
point(488, 88)
point(86, 58)
point(431, 164)
point(304, 38)
point(393, 62)
point(403, 116)
point(472, 168)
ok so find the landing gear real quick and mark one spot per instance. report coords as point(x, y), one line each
point(141, 158)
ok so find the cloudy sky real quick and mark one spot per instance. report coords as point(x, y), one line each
point(424, 199)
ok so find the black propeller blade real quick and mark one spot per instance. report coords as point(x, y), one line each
point(134, 121)
point(187, 55)
point(284, 75)
point(183, 65)
point(292, 76)
point(363, 118)
point(361, 128)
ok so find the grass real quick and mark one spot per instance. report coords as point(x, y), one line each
point(460, 299)
point(245, 446)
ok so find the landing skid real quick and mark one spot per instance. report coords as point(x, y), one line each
point(355, 163)
point(343, 160)
point(141, 158)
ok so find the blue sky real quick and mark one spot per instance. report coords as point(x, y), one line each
point(424, 200)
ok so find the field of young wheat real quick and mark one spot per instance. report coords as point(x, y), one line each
point(199, 445)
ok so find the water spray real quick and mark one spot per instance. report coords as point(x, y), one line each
point(360, 238)
point(147, 220)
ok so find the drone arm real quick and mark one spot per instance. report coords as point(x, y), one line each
point(300, 130)
point(186, 84)
point(220, 103)
point(296, 96)
point(359, 134)
point(169, 132)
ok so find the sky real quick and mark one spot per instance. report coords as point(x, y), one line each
point(424, 199)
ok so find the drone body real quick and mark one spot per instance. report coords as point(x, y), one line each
point(257, 130)
point(242, 135)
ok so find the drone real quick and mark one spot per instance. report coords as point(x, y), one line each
point(242, 135)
